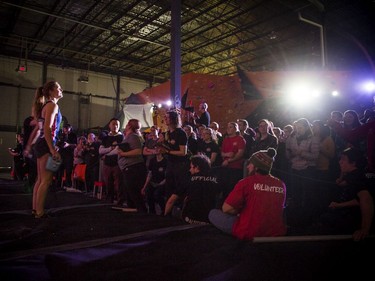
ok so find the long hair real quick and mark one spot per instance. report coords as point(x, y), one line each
point(356, 122)
point(39, 101)
point(305, 123)
point(174, 118)
point(42, 94)
point(269, 126)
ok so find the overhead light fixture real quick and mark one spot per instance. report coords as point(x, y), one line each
point(21, 68)
point(83, 78)
point(22, 65)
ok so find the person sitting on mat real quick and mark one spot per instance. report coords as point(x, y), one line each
point(255, 207)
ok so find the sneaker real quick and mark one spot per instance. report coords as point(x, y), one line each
point(42, 216)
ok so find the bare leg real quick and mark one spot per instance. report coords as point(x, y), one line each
point(37, 183)
point(45, 181)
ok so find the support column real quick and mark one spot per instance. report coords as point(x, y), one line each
point(117, 94)
point(176, 53)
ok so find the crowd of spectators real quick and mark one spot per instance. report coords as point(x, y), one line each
point(196, 165)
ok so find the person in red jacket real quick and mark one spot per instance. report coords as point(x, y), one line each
point(255, 207)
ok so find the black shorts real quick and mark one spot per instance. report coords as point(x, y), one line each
point(41, 147)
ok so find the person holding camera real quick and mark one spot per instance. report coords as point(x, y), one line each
point(78, 151)
point(204, 117)
point(18, 159)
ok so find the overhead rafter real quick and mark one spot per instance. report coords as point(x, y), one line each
point(132, 38)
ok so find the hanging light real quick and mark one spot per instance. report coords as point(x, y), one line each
point(22, 66)
point(84, 77)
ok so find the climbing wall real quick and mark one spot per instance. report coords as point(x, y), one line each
point(231, 97)
point(223, 95)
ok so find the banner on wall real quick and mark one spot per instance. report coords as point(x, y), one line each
point(142, 112)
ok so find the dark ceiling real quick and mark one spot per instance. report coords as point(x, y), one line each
point(132, 37)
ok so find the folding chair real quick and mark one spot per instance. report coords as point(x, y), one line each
point(79, 175)
point(98, 189)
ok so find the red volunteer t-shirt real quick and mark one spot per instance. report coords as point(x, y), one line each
point(261, 200)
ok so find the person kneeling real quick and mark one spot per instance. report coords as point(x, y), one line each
point(199, 195)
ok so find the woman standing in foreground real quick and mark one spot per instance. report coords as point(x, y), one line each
point(49, 118)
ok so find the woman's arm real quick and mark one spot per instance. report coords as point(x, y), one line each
point(32, 139)
point(181, 152)
point(51, 110)
point(149, 151)
point(130, 153)
point(237, 156)
point(148, 179)
point(366, 205)
point(336, 205)
point(135, 147)
point(213, 157)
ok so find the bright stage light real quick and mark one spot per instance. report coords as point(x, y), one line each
point(315, 93)
point(169, 103)
point(302, 94)
point(335, 93)
point(368, 86)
